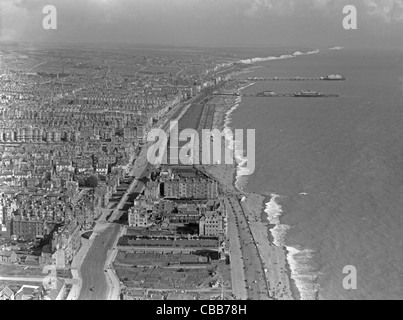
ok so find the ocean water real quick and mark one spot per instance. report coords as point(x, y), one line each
point(332, 169)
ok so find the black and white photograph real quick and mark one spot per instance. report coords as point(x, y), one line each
point(197, 154)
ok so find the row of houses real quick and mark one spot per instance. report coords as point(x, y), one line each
point(57, 291)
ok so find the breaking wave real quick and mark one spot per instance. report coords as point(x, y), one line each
point(303, 274)
point(298, 259)
point(336, 48)
point(282, 57)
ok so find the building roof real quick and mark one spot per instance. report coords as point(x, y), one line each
point(6, 292)
point(6, 253)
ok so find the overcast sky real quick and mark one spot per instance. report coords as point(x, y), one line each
point(310, 23)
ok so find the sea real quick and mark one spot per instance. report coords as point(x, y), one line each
point(331, 169)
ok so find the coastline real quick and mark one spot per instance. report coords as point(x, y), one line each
point(274, 258)
point(264, 218)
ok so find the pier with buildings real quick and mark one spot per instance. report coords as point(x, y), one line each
point(333, 77)
point(273, 94)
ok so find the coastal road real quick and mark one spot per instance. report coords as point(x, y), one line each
point(95, 284)
point(236, 263)
point(255, 279)
point(92, 269)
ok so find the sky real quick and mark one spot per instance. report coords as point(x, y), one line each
point(217, 23)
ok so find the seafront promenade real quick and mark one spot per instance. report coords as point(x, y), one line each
point(269, 261)
point(238, 279)
point(255, 279)
point(247, 270)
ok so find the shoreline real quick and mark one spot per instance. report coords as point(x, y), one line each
point(264, 218)
point(274, 258)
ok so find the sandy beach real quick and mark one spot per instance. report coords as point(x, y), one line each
point(273, 257)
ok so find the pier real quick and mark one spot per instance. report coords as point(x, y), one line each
point(270, 94)
point(296, 79)
point(227, 94)
point(288, 95)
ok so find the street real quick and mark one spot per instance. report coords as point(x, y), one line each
point(92, 269)
point(255, 279)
